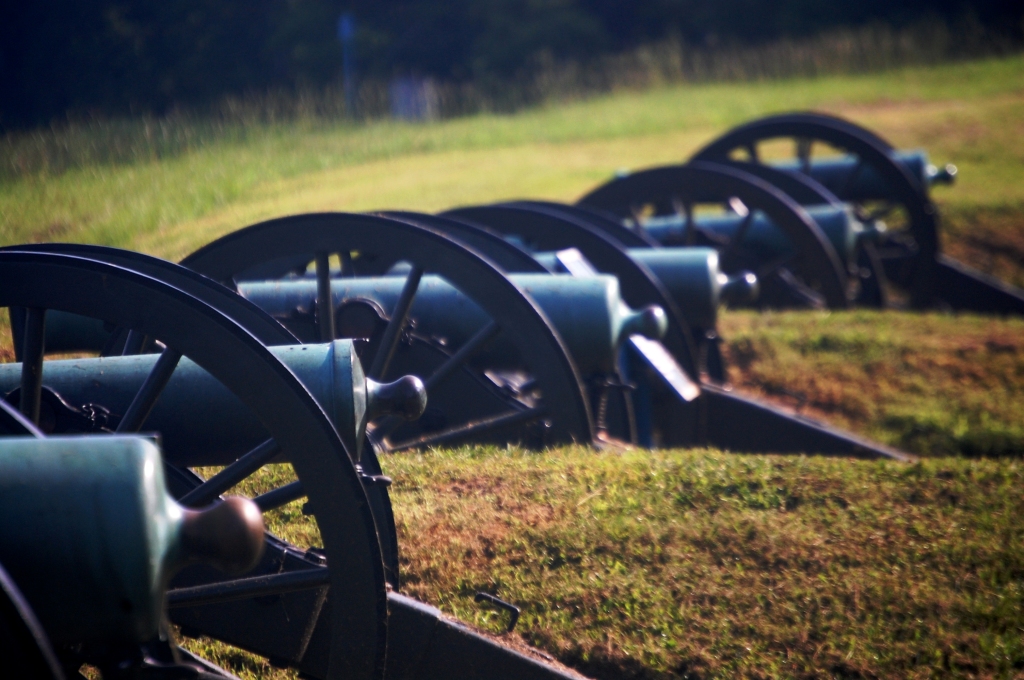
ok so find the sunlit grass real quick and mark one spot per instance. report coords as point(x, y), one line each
point(675, 563)
point(965, 113)
point(703, 564)
point(932, 384)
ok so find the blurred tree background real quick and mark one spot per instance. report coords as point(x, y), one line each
point(117, 57)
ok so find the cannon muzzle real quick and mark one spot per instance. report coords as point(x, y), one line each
point(405, 397)
point(92, 537)
point(739, 290)
point(228, 535)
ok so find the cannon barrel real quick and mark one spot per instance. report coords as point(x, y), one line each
point(693, 278)
point(91, 535)
point(852, 180)
point(589, 314)
point(763, 237)
point(200, 421)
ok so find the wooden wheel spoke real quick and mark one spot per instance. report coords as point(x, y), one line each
point(347, 267)
point(393, 332)
point(231, 475)
point(282, 495)
point(751, 149)
point(249, 588)
point(33, 348)
point(737, 239)
point(445, 370)
point(472, 429)
point(684, 209)
point(145, 399)
point(471, 347)
point(133, 343)
point(324, 301)
point(804, 145)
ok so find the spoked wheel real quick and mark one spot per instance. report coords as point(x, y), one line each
point(598, 219)
point(866, 280)
point(122, 341)
point(116, 341)
point(323, 610)
point(909, 244)
point(26, 649)
point(545, 228)
point(651, 372)
point(807, 271)
point(463, 406)
point(607, 391)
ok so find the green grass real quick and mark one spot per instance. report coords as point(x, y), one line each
point(669, 564)
point(703, 564)
point(968, 113)
point(931, 384)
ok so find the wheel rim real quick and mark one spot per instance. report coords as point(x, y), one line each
point(701, 182)
point(292, 240)
point(871, 150)
point(551, 230)
point(264, 384)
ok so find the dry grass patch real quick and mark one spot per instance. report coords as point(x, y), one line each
point(932, 384)
point(989, 239)
point(702, 564)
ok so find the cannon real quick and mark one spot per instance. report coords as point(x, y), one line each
point(666, 415)
point(806, 247)
point(325, 610)
point(863, 169)
point(841, 175)
point(692, 277)
point(355, 615)
point(547, 404)
point(589, 314)
point(331, 372)
point(91, 537)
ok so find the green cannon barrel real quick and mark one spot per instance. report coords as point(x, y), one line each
point(839, 225)
point(588, 313)
point(851, 180)
point(692, 277)
point(201, 422)
point(91, 536)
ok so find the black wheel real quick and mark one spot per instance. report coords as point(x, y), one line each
point(370, 245)
point(811, 273)
point(260, 324)
point(546, 228)
point(344, 577)
point(910, 244)
point(26, 650)
point(598, 219)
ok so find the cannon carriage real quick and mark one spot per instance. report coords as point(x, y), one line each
point(329, 608)
point(871, 201)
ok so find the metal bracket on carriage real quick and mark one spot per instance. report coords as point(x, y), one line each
point(653, 352)
point(57, 416)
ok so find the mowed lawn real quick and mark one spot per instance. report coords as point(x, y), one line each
point(680, 563)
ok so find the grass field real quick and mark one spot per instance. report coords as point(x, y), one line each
point(681, 564)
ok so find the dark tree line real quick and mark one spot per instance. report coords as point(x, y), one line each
point(119, 56)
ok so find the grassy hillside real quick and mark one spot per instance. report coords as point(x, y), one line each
point(971, 114)
point(931, 384)
point(967, 113)
point(665, 564)
point(699, 564)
